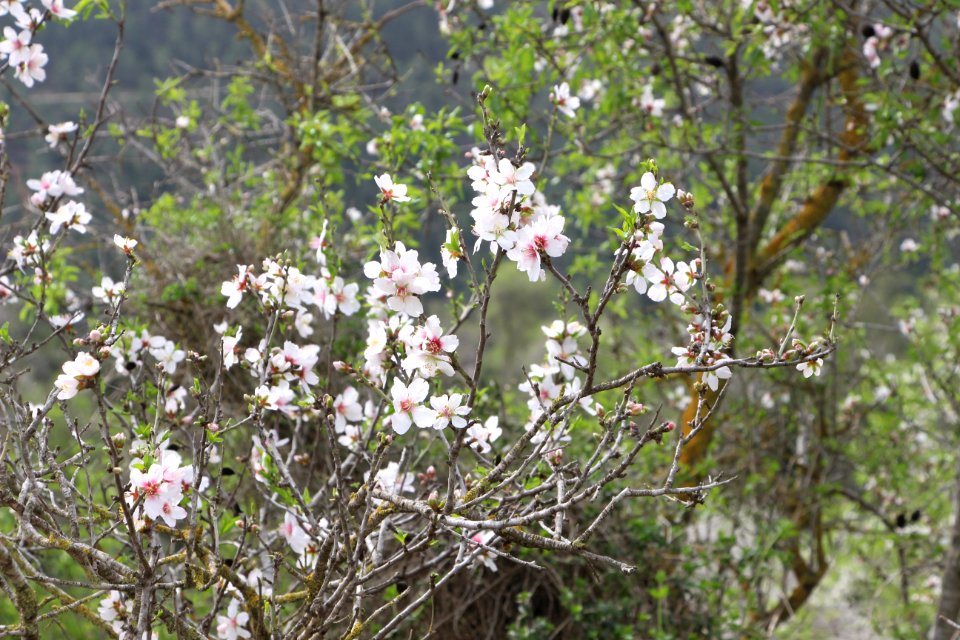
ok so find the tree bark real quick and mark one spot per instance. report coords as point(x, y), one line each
point(950, 584)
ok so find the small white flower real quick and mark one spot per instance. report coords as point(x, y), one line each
point(390, 479)
point(57, 10)
point(650, 196)
point(811, 367)
point(58, 132)
point(109, 291)
point(391, 191)
point(565, 103)
point(127, 245)
point(70, 215)
point(76, 374)
point(449, 411)
point(408, 405)
point(479, 436)
point(231, 626)
point(651, 105)
point(347, 408)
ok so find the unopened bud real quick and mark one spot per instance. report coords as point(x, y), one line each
point(685, 198)
point(669, 426)
point(95, 336)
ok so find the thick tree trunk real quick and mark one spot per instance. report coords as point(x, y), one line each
point(950, 584)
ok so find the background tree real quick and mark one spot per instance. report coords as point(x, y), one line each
point(270, 467)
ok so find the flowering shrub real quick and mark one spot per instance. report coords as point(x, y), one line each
point(309, 441)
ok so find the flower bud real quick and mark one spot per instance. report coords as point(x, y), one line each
point(635, 408)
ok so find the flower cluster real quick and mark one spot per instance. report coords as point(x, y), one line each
point(509, 213)
point(28, 251)
point(399, 280)
point(159, 490)
point(27, 58)
point(129, 354)
point(878, 38)
point(709, 338)
point(51, 186)
point(291, 364)
point(546, 383)
point(780, 26)
point(659, 278)
point(286, 287)
point(410, 407)
point(428, 351)
point(798, 351)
